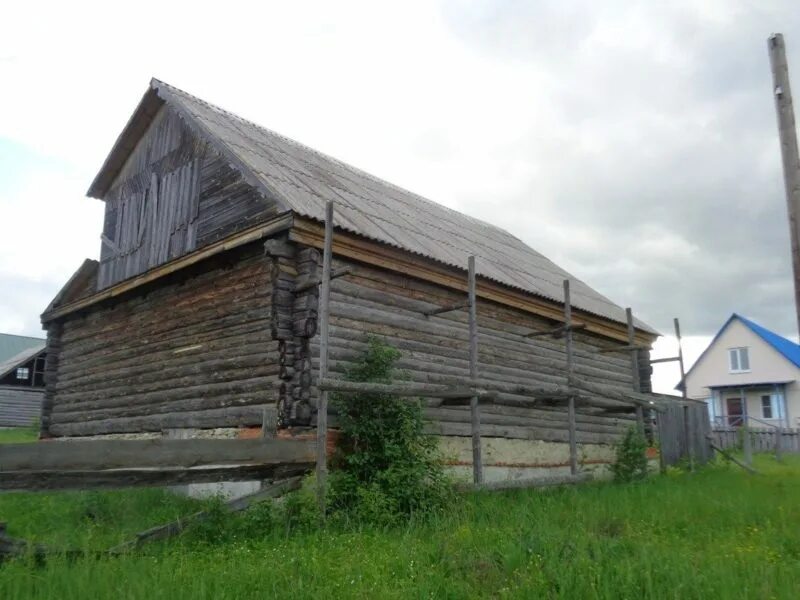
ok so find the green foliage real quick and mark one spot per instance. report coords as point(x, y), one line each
point(719, 533)
point(385, 469)
point(631, 460)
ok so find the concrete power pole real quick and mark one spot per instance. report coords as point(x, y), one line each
point(789, 153)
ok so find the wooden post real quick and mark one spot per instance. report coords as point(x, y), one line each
point(747, 443)
point(680, 357)
point(324, 319)
point(573, 445)
point(634, 350)
point(789, 153)
point(477, 463)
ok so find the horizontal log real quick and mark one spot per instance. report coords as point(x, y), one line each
point(44, 481)
point(235, 416)
point(403, 389)
point(98, 455)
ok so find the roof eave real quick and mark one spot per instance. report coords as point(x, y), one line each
point(138, 123)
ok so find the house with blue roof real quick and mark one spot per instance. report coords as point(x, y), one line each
point(748, 375)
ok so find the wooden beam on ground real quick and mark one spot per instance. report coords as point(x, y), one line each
point(89, 464)
point(475, 414)
point(732, 458)
point(173, 528)
point(324, 330)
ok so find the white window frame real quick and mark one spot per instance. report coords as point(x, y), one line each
point(738, 352)
point(23, 373)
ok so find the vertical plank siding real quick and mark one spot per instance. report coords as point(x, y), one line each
point(682, 433)
point(195, 352)
point(173, 195)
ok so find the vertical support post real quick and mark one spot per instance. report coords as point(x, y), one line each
point(687, 414)
point(324, 314)
point(747, 443)
point(634, 351)
point(787, 133)
point(677, 323)
point(573, 443)
point(477, 463)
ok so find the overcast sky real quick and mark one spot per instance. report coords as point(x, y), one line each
point(634, 143)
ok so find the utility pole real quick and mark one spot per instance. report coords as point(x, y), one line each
point(789, 152)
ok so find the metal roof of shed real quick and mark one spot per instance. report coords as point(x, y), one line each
point(302, 180)
point(12, 345)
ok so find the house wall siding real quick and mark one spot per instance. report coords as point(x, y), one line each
point(196, 351)
point(174, 194)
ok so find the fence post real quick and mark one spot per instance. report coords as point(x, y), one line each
point(747, 444)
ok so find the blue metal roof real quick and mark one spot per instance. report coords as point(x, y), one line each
point(787, 348)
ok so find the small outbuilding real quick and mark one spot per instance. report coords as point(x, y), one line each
point(201, 315)
point(22, 360)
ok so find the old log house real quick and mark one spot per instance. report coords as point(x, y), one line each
point(202, 311)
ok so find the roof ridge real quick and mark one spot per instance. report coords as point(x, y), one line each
point(155, 83)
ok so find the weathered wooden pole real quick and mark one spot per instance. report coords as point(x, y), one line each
point(324, 320)
point(680, 357)
point(789, 153)
point(634, 350)
point(687, 414)
point(573, 444)
point(477, 463)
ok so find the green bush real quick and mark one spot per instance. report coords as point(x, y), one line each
point(385, 468)
point(631, 459)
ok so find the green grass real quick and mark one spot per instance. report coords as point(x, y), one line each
point(718, 533)
point(17, 435)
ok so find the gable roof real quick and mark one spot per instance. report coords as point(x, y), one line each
point(12, 362)
point(786, 348)
point(12, 345)
point(302, 180)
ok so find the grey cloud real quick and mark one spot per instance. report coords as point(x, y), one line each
point(688, 152)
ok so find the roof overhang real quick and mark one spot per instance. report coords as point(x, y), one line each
point(137, 125)
point(739, 386)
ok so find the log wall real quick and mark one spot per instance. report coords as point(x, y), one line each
point(190, 352)
point(174, 195)
point(371, 301)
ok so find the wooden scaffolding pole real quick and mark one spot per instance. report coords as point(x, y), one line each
point(477, 464)
point(324, 327)
point(789, 152)
point(573, 445)
point(634, 349)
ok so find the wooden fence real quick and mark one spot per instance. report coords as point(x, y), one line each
point(123, 463)
point(683, 430)
point(762, 439)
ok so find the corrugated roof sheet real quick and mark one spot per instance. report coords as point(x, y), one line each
point(12, 362)
point(304, 179)
point(11, 345)
point(787, 348)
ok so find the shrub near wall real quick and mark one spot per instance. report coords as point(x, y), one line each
point(385, 469)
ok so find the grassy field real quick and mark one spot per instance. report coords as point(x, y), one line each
point(718, 533)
